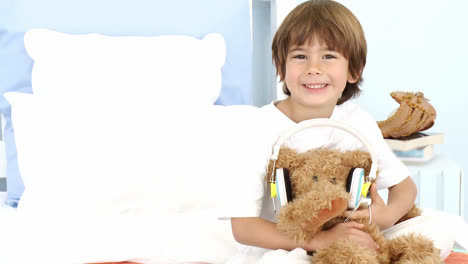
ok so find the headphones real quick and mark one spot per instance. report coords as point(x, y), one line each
point(357, 183)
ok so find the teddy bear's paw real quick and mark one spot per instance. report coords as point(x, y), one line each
point(345, 251)
point(414, 248)
point(324, 215)
point(419, 260)
point(301, 222)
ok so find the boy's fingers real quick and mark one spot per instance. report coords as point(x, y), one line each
point(375, 197)
point(346, 213)
point(362, 213)
point(355, 225)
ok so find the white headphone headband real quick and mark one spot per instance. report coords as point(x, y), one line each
point(330, 123)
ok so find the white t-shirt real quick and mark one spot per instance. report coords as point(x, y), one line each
point(252, 198)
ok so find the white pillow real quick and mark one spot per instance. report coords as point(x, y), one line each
point(170, 69)
point(115, 122)
point(87, 160)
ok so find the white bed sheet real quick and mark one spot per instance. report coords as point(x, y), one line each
point(187, 237)
point(170, 238)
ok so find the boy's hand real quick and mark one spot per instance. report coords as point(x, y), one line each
point(349, 231)
point(380, 211)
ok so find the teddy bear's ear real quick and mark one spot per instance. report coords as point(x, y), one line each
point(366, 160)
point(358, 158)
point(288, 158)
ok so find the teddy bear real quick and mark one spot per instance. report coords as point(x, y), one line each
point(318, 181)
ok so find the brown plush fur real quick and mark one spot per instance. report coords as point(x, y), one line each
point(319, 201)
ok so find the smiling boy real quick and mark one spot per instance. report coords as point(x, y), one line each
point(320, 52)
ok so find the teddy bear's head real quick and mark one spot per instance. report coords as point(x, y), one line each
point(318, 180)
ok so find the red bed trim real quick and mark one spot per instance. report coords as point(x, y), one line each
point(457, 258)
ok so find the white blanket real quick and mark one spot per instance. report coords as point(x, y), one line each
point(253, 255)
point(169, 238)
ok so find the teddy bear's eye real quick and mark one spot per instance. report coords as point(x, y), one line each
point(333, 180)
point(315, 178)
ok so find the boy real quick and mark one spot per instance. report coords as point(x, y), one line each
point(319, 52)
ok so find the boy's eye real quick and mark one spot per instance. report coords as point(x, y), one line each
point(301, 57)
point(329, 56)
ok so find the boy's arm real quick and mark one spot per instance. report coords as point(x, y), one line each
point(401, 198)
point(255, 231)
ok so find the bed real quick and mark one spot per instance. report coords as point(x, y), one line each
point(159, 74)
point(118, 93)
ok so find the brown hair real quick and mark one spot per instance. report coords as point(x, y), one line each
point(335, 25)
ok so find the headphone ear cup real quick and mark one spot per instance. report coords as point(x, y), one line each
point(354, 186)
point(283, 186)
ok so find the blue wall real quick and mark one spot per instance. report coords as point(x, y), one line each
point(419, 45)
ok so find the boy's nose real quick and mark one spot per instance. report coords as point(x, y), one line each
point(314, 68)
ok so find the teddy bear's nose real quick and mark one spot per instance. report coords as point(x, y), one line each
point(333, 180)
point(315, 178)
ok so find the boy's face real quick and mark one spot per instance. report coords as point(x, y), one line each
point(316, 76)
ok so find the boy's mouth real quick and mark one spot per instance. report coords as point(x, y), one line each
point(315, 85)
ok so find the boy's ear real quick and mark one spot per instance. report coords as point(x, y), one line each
point(352, 79)
point(280, 74)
